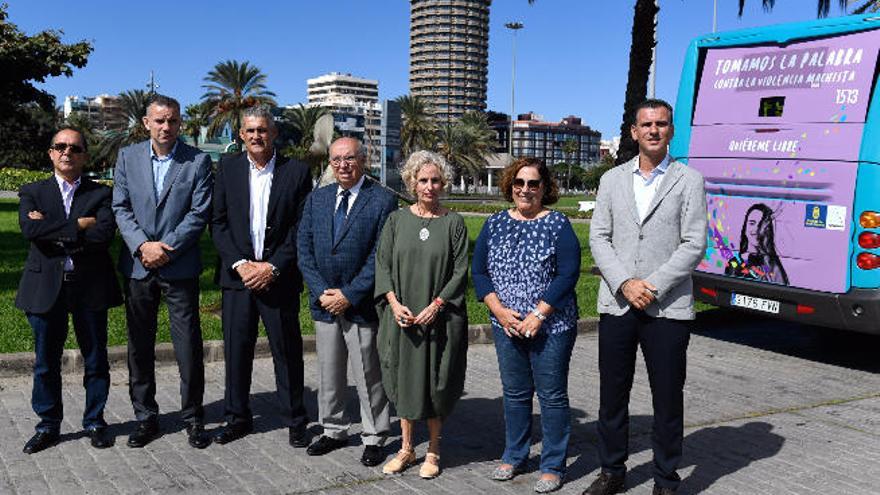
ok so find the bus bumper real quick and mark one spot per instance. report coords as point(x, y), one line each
point(857, 310)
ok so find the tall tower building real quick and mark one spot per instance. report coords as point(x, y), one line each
point(449, 55)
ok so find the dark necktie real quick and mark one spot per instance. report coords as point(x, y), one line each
point(339, 217)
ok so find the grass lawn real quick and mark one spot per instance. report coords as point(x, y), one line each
point(15, 333)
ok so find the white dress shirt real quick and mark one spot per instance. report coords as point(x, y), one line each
point(67, 191)
point(260, 184)
point(353, 191)
point(646, 188)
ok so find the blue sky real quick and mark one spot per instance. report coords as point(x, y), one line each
point(572, 56)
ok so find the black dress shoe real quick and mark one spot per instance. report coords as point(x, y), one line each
point(606, 484)
point(324, 445)
point(659, 490)
point(298, 437)
point(373, 456)
point(99, 437)
point(146, 432)
point(197, 436)
point(40, 441)
point(231, 432)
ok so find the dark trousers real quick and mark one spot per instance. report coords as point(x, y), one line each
point(664, 347)
point(280, 315)
point(142, 299)
point(50, 333)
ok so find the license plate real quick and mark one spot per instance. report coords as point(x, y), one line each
point(754, 303)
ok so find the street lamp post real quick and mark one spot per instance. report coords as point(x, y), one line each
point(513, 26)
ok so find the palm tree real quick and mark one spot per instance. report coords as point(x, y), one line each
point(866, 6)
point(569, 147)
point(196, 118)
point(466, 144)
point(134, 107)
point(417, 130)
point(822, 6)
point(303, 119)
point(231, 87)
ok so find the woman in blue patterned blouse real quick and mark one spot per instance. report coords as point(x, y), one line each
point(525, 267)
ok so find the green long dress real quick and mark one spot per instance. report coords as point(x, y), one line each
point(423, 368)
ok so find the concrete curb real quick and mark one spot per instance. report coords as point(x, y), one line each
point(22, 363)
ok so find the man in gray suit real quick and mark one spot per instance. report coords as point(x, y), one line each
point(162, 202)
point(647, 234)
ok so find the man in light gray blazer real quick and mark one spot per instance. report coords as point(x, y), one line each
point(162, 202)
point(647, 234)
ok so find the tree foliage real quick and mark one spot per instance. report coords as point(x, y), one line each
point(26, 112)
point(232, 86)
point(196, 117)
point(466, 144)
point(417, 131)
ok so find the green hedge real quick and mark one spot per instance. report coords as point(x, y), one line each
point(11, 179)
point(495, 207)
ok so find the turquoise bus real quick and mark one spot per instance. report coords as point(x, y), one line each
point(784, 124)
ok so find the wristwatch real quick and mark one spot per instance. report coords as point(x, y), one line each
point(275, 271)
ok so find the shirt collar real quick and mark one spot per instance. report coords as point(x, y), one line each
point(66, 186)
point(353, 189)
point(269, 168)
point(658, 170)
point(169, 156)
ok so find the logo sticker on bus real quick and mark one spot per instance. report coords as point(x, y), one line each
point(830, 217)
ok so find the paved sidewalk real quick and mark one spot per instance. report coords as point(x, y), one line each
point(757, 422)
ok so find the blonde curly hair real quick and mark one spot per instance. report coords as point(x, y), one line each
point(419, 160)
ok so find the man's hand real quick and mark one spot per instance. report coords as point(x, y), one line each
point(35, 215)
point(334, 301)
point(640, 293)
point(257, 276)
point(153, 254)
point(84, 223)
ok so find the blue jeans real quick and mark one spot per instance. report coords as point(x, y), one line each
point(50, 332)
point(529, 366)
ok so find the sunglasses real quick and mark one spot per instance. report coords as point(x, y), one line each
point(532, 184)
point(75, 149)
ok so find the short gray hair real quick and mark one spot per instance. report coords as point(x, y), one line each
point(259, 112)
point(420, 159)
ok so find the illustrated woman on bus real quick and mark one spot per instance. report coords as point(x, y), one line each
point(757, 248)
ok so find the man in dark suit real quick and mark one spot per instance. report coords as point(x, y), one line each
point(258, 200)
point(162, 202)
point(337, 247)
point(69, 223)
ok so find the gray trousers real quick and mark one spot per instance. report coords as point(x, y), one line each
point(342, 345)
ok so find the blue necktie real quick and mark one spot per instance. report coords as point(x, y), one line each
point(339, 217)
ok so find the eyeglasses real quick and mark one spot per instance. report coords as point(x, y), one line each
point(75, 149)
point(532, 184)
point(348, 160)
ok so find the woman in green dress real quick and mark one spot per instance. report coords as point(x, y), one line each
point(421, 277)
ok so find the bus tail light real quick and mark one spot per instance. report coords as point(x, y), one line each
point(869, 219)
point(803, 309)
point(869, 240)
point(709, 292)
point(868, 261)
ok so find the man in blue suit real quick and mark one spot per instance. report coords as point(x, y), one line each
point(336, 245)
point(162, 202)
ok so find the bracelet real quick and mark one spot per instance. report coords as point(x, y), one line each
point(439, 302)
point(539, 315)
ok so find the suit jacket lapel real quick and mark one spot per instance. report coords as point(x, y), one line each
point(74, 204)
point(238, 203)
point(359, 202)
point(170, 176)
point(672, 176)
point(630, 197)
point(53, 197)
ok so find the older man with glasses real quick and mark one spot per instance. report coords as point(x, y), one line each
point(69, 223)
point(337, 247)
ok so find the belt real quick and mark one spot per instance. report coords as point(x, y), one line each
point(69, 277)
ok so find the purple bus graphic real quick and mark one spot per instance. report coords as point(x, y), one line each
point(776, 127)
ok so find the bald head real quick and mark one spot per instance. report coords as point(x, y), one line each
point(347, 160)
